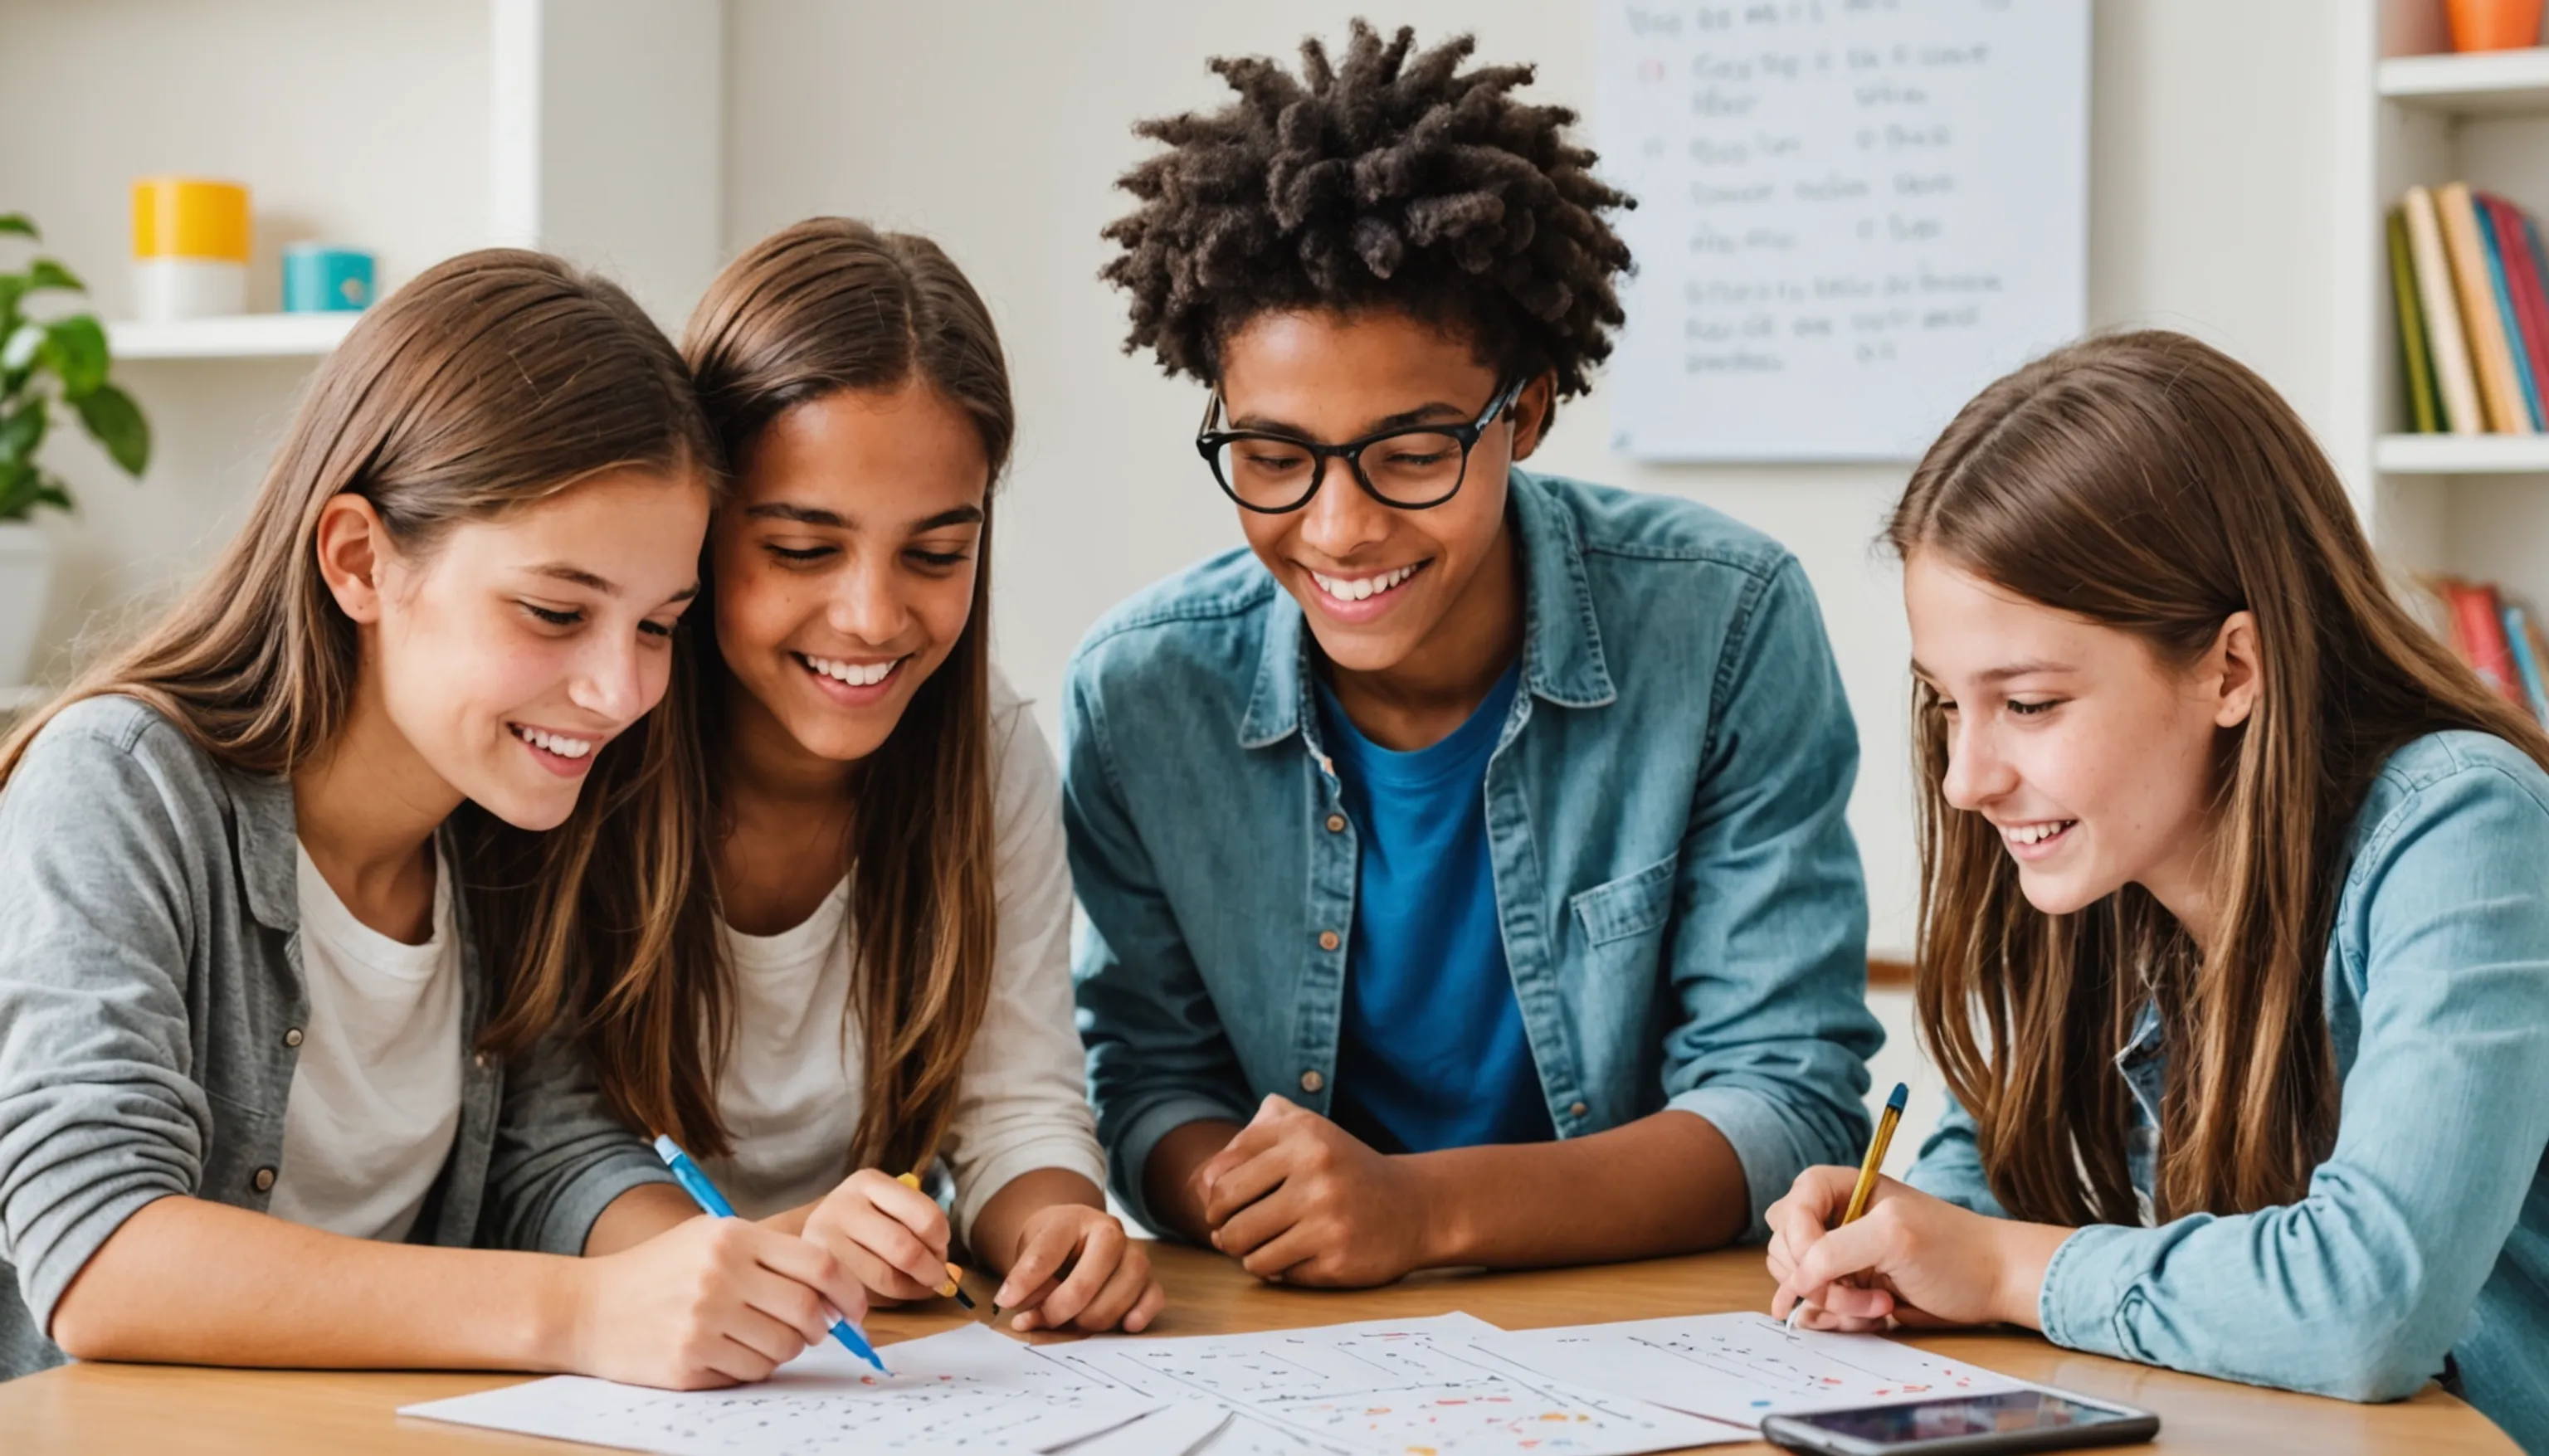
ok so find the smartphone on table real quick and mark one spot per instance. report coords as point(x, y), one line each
point(1965, 1425)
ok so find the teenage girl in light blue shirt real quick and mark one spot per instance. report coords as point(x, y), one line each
point(2234, 939)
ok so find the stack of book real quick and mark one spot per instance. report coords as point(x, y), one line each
point(2472, 284)
point(2498, 637)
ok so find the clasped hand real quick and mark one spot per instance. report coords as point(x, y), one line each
point(1300, 1200)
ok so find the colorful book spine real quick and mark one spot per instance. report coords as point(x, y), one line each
point(2455, 375)
point(2531, 289)
point(2481, 634)
point(2500, 283)
point(2415, 351)
point(2499, 392)
point(2527, 665)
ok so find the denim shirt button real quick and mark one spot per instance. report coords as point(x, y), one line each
point(265, 1180)
point(1336, 823)
point(292, 1038)
point(1311, 1081)
point(1577, 1110)
point(479, 1060)
point(1327, 940)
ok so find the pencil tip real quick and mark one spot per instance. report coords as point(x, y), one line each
point(1902, 1094)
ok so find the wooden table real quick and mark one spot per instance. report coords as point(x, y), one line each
point(257, 1413)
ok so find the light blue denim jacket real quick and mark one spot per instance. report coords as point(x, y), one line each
point(1679, 895)
point(2426, 1231)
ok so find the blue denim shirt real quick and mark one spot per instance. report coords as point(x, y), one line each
point(2426, 1231)
point(1679, 896)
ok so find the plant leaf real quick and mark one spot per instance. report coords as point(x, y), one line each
point(19, 224)
point(117, 422)
point(19, 485)
point(23, 431)
point(46, 273)
point(20, 350)
point(53, 492)
point(74, 348)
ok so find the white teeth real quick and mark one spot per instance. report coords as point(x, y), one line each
point(2028, 834)
point(1362, 588)
point(857, 674)
point(556, 743)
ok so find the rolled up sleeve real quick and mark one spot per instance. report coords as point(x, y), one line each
point(100, 1114)
point(1770, 939)
point(560, 1157)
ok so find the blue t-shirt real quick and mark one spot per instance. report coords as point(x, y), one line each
point(1430, 1052)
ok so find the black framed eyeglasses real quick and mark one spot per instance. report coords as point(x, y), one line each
point(1415, 468)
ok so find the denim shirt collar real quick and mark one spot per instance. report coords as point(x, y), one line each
point(1561, 642)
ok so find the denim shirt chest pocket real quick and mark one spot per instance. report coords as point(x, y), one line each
point(1633, 905)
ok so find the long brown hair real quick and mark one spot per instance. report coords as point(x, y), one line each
point(2149, 482)
point(825, 306)
point(492, 381)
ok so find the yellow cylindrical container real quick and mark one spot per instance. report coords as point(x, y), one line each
point(190, 248)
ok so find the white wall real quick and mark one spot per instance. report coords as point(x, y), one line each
point(373, 133)
point(1000, 131)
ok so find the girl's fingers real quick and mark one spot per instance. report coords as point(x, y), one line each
point(811, 1276)
point(908, 1206)
point(771, 1338)
point(1115, 1300)
point(1849, 1301)
point(1146, 1309)
point(1850, 1249)
point(919, 1269)
point(1031, 1278)
point(739, 1363)
point(1101, 1248)
point(1030, 1309)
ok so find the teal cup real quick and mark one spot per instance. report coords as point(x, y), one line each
point(318, 278)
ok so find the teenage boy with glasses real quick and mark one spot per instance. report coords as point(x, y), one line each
point(1465, 860)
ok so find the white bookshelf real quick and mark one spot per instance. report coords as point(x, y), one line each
point(2488, 83)
point(2433, 454)
point(241, 337)
point(2411, 112)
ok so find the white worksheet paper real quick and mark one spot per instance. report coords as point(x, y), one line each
point(1395, 1388)
point(968, 1391)
point(1740, 1367)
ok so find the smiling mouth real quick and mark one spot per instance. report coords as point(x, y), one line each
point(2028, 836)
point(556, 744)
point(848, 674)
point(1363, 589)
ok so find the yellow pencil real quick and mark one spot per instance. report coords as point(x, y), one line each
point(1876, 1145)
point(954, 1287)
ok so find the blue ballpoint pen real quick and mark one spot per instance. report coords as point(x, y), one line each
point(705, 1194)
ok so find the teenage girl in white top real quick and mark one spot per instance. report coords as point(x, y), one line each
point(881, 976)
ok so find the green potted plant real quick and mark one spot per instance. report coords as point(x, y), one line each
point(44, 364)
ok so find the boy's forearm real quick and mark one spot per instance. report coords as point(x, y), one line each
point(1167, 1179)
point(1665, 1184)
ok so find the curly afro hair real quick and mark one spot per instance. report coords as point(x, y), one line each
point(1387, 181)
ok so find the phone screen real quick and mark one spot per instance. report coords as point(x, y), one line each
point(1965, 1415)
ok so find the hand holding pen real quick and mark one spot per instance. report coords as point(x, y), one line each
point(836, 1319)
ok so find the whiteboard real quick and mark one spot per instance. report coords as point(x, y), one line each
point(1852, 216)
